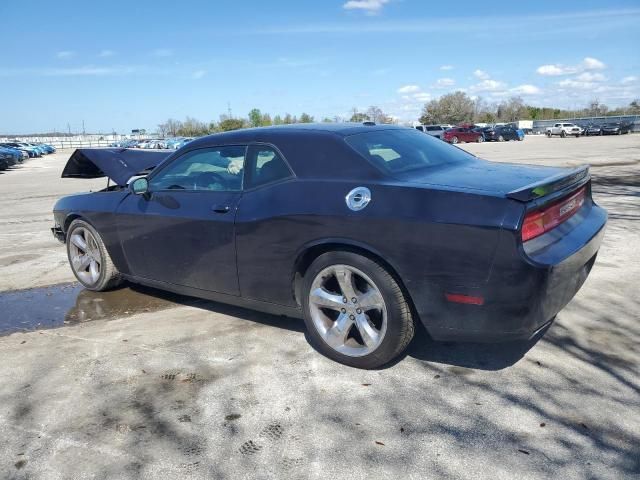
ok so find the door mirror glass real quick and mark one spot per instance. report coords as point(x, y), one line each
point(139, 186)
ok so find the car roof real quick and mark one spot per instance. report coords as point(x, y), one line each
point(297, 130)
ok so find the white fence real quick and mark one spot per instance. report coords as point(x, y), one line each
point(76, 141)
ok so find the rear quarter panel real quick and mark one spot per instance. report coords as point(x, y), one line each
point(428, 236)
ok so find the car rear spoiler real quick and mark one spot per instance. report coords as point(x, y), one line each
point(578, 177)
point(119, 164)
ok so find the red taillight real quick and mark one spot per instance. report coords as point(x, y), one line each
point(541, 221)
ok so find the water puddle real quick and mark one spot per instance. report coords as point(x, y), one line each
point(70, 303)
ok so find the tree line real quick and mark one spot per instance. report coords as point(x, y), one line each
point(191, 127)
point(453, 108)
point(458, 107)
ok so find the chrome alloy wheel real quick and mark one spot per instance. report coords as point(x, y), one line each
point(348, 310)
point(84, 256)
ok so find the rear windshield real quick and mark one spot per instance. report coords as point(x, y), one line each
point(402, 151)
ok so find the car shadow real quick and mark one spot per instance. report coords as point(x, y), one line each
point(480, 356)
point(133, 298)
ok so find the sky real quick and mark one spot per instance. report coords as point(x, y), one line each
point(121, 65)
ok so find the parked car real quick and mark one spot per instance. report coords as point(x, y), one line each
point(500, 133)
point(31, 151)
point(592, 129)
point(361, 230)
point(157, 144)
point(182, 143)
point(13, 155)
point(564, 130)
point(8, 158)
point(618, 128)
point(433, 130)
point(47, 148)
point(463, 134)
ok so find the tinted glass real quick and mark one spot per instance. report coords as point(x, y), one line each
point(401, 151)
point(214, 169)
point(266, 166)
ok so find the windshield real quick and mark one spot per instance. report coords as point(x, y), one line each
point(401, 151)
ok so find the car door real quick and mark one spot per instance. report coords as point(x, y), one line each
point(182, 231)
point(265, 232)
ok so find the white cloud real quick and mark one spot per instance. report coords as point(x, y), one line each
point(106, 53)
point(630, 79)
point(88, 71)
point(481, 74)
point(553, 70)
point(422, 97)
point(591, 77)
point(162, 52)
point(409, 89)
point(446, 67)
point(525, 89)
point(488, 86)
point(557, 69)
point(370, 7)
point(444, 82)
point(590, 63)
point(65, 54)
point(571, 83)
point(198, 74)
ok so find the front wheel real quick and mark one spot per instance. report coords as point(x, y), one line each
point(562, 134)
point(355, 311)
point(89, 259)
point(454, 140)
point(480, 139)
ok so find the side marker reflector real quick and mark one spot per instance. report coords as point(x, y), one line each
point(466, 299)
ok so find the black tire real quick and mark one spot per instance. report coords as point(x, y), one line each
point(501, 138)
point(109, 276)
point(454, 140)
point(562, 134)
point(548, 134)
point(400, 322)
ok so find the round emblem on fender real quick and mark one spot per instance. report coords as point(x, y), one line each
point(358, 198)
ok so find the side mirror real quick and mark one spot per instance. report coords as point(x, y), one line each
point(140, 186)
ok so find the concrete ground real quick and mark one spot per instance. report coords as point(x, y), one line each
point(139, 384)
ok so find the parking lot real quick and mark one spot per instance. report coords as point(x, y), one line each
point(138, 383)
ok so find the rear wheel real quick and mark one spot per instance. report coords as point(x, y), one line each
point(355, 311)
point(89, 259)
point(562, 134)
point(480, 139)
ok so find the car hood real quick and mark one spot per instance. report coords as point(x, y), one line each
point(483, 176)
point(119, 164)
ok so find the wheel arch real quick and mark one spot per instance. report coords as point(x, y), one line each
point(313, 250)
point(70, 217)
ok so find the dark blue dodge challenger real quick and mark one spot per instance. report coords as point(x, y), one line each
point(361, 230)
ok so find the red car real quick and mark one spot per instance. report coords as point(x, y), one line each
point(463, 134)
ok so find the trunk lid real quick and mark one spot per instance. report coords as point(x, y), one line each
point(518, 182)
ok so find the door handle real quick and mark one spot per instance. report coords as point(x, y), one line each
point(221, 208)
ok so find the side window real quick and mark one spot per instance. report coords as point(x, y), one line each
point(266, 166)
point(218, 169)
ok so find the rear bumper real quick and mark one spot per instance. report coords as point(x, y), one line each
point(519, 300)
